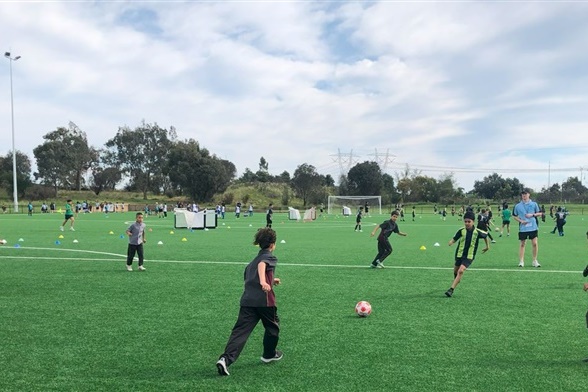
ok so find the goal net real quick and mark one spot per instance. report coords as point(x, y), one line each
point(336, 203)
point(293, 213)
point(310, 214)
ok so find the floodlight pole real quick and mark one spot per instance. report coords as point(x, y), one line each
point(14, 183)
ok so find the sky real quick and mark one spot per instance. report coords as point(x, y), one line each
point(445, 87)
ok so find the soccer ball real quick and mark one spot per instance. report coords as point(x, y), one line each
point(363, 309)
point(497, 229)
point(3, 242)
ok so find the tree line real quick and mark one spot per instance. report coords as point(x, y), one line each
point(150, 158)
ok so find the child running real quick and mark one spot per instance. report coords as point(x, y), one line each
point(358, 219)
point(384, 247)
point(467, 238)
point(258, 302)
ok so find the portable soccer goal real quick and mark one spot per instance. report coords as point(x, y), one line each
point(293, 213)
point(336, 203)
point(310, 214)
point(184, 219)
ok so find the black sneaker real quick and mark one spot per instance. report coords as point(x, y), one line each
point(276, 357)
point(449, 292)
point(585, 272)
point(222, 367)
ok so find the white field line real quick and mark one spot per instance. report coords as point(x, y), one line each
point(282, 264)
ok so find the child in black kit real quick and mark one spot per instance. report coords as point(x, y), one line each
point(258, 302)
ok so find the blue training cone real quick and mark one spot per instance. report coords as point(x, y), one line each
point(57, 243)
point(17, 245)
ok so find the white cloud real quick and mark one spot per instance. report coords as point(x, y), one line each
point(439, 85)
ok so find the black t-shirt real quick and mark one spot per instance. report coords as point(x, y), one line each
point(253, 295)
point(388, 227)
point(482, 222)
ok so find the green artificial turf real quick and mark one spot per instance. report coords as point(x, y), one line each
point(73, 319)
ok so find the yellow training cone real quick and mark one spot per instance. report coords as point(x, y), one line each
point(61, 236)
point(184, 239)
point(171, 232)
point(423, 247)
point(111, 232)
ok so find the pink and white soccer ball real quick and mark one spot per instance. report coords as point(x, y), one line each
point(363, 309)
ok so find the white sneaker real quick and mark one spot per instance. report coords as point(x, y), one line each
point(141, 268)
point(222, 367)
point(522, 264)
point(276, 357)
point(493, 241)
point(72, 229)
point(536, 264)
point(61, 228)
point(129, 268)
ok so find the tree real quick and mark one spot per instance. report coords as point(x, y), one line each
point(489, 186)
point(23, 173)
point(389, 193)
point(494, 187)
point(365, 179)
point(447, 188)
point(573, 190)
point(140, 153)
point(424, 188)
point(283, 178)
point(328, 180)
point(263, 165)
point(305, 180)
point(405, 189)
point(64, 158)
point(104, 179)
point(248, 176)
point(196, 172)
point(343, 186)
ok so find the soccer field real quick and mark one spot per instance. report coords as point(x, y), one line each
point(73, 319)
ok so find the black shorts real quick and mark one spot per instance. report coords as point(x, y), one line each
point(67, 217)
point(528, 235)
point(463, 261)
point(505, 223)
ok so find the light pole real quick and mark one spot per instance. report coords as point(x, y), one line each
point(14, 186)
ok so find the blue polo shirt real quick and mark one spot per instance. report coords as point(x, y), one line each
point(526, 208)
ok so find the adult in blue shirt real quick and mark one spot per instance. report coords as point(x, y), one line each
point(526, 213)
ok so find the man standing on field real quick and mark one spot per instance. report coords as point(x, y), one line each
point(526, 213)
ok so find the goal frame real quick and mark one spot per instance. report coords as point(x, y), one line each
point(372, 199)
